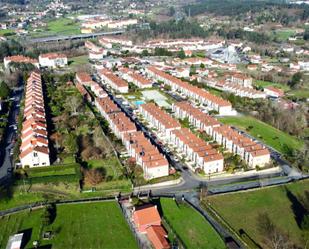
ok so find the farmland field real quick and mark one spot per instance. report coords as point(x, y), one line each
point(190, 226)
point(263, 84)
point(278, 202)
point(91, 225)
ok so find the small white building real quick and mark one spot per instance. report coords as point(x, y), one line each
point(53, 60)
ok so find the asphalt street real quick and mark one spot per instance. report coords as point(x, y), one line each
point(6, 150)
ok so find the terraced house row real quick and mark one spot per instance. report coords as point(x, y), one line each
point(34, 149)
point(159, 119)
point(195, 116)
point(211, 101)
point(116, 83)
point(250, 151)
point(153, 163)
point(134, 77)
point(197, 151)
point(84, 79)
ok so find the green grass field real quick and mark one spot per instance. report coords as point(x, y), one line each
point(9, 225)
point(115, 181)
point(6, 31)
point(283, 34)
point(111, 165)
point(241, 210)
point(77, 61)
point(301, 93)
point(91, 225)
point(264, 132)
point(261, 83)
point(52, 171)
point(190, 226)
point(63, 26)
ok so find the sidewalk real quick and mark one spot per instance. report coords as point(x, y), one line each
point(241, 174)
point(161, 184)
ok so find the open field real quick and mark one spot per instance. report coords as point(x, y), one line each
point(111, 165)
point(6, 31)
point(75, 226)
point(61, 26)
point(261, 83)
point(77, 61)
point(301, 93)
point(195, 232)
point(19, 197)
point(9, 225)
point(264, 132)
point(114, 178)
point(283, 34)
point(240, 210)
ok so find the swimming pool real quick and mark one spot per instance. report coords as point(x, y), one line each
point(139, 102)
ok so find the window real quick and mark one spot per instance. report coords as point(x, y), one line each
point(35, 154)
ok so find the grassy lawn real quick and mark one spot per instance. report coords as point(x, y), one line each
point(52, 171)
point(75, 226)
point(261, 83)
point(77, 61)
point(284, 34)
point(301, 93)
point(6, 31)
point(9, 225)
point(264, 132)
point(63, 26)
point(114, 179)
point(111, 165)
point(190, 226)
point(241, 210)
point(18, 198)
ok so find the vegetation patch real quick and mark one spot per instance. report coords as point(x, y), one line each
point(264, 132)
point(71, 226)
point(284, 206)
point(194, 232)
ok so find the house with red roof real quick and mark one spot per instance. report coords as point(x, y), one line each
point(34, 151)
point(148, 221)
point(20, 59)
point(273, 92)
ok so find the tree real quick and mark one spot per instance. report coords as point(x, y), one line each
point(73, 103)
point(70, 143)
point(145, 52)
point(93, 177)
point(49, 214)
point(57, 138)
point(162, 52)
point(192, 70)
point(296, 80)
point(273, 237)
point(4, 90)
point(181, 54)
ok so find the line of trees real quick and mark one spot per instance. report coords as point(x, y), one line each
point(259, 38)
point(240, 7)
point(171, 29)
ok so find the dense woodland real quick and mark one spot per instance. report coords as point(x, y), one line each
point(239, 7)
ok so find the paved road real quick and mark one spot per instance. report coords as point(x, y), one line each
point(6, 159)
point(74, 37)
